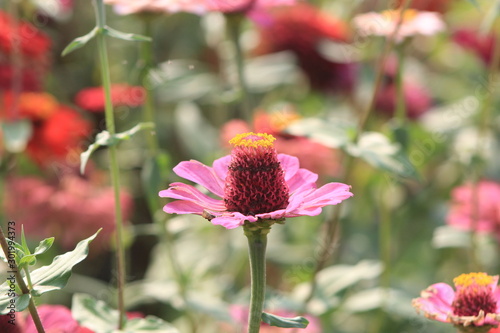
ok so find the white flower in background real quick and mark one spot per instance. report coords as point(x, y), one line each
point(384, 23)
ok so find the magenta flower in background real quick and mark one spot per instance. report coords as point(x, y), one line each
point(462, 211)
point(481, 44)
point(254, 183)
point(125, 7)
point(475, 302)
point(55, 319)
point(69, 209)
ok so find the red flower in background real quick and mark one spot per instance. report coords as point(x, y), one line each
point(92, 99)
point(440, 6)
point(57, 129)
point(312, 156)
point(34, 47)
point(30, 105)
point(69, 208)
point(33, 43)
point(481, 45)
point(58, 136)
point(300, 29)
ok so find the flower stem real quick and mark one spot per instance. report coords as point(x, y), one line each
point(234, 31)
point(257, 242)
point(20, 281)
point(114, 169)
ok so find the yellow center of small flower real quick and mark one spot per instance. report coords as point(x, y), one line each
point(478, 279)
point(253, 140)
point(395, 14)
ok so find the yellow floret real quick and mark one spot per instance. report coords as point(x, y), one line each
point(465, 280)
point(253, 140)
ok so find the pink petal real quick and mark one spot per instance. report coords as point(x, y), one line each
point(183, 207)
point(190, 193)
point(436, 301)
point(329, 194)
point(302, 180)
point(290, 165)
point(201, 174)
point(221, 166)
point(231, 220)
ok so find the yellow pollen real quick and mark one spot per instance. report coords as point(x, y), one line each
point(253, 140)
point(395, 14)
point(478, 279)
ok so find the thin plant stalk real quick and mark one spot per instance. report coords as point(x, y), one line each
point(332, 223)
point(112, 150)
point(257, 243)
point(20, 281)
point(234, 30)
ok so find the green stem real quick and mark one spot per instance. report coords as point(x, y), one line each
point(114, 169)
point(147, 57)
point(400, 98)
point(20, 282)
point(234, 22)
point(257, 241)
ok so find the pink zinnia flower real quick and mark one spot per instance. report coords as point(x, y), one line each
point(414, 23)
point(474, 304)
point(92, 99)
point(462, 213)
point(55, 319)
point(254, 183)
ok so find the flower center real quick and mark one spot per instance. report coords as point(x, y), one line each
point(474, 293)
point(255, 182)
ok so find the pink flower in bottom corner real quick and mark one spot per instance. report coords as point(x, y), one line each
point(254, 183)
point(474, 305)
point(239, 314)
point(462, 211)
point(55, 319)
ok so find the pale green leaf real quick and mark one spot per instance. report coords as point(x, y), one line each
point(16, 135)
point(56, 275)
point(126, 36)
point(79, 42)
point(273, 320)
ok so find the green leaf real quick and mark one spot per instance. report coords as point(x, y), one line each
point(273, 320)
point(16, 135)
point(333, 134)
point(27, 260)
point(99, 317)
point(377, 150)
point(105, 139)
point(126, 36)
point(79, 42)
point(44, 246)
point(56, 275)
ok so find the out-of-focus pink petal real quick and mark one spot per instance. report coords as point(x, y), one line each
point(221, 166)
point(201, 174)
point(436, 301)
point(190, 193)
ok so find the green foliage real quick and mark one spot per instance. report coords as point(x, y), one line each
point(273, 320)
point(99, 317)
point(80, 42)
point(105, 139)
point(46, 278)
